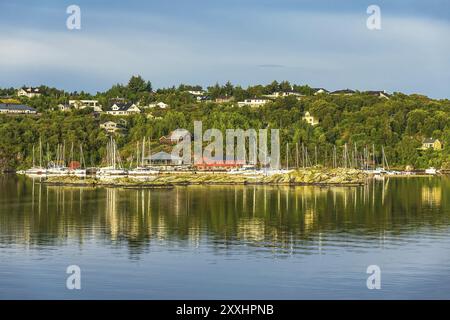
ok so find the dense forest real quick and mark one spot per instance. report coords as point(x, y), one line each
point(360, 121)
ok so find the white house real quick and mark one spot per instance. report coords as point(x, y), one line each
point(82, 104)
point(346, 92)
point(16, 109)
point(256, 102)
point(282, 94)
point(111, 127)
point(310, 119)
point(379, 93)
point(29, 92)
point(196, 92)
point(319, 91)
point(64, 107)
point(123, 109)
point(160, 105)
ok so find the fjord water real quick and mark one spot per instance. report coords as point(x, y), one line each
point(226, 242)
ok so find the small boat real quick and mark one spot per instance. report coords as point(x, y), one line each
point(77, 172)
point(111, 171)
point(247, 169)
point(58, 171)
point(431, 171)
point(35, 171)
point(142, 171)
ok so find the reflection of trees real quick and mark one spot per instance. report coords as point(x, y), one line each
point(35, 214)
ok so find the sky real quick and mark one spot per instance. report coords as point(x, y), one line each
point(322, 43)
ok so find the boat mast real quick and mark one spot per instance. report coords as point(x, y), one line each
point(82, 162)
point(33, 155)
point(143, 151)
point(287, 156)
point(150, 151)
point(40, 153)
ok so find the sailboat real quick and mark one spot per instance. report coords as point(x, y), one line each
point(431, 171)
point(58, 167)
point(36, 170)
point(114, 167)
point(140, 169)
point(78, 171)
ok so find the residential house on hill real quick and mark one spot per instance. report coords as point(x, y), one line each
point(160, 105)
point(111, 127)
point(254, 103)
point(431, 143)
point(29, 92)
point(224, 99)
point(82, 104)
point(64, 107)
point(347, 92)
point(310, 119)
point(16, 109)
point(319, 91)
point(123, 109)
point(380, 94)
point(282, 94)
point(203, 98)
point(196, 92)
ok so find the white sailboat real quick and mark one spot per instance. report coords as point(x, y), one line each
point(114, 167)
point(36, 170)
point(141, 170)
point(58, 168)
point(81, 171)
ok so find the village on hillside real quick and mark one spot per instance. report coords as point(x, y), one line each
point(316, 118)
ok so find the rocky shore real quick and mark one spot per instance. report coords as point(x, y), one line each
point(310, 176)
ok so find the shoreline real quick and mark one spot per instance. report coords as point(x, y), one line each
point(302, 177)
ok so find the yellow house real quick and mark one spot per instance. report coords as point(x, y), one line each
point(310, 119)
point(431, 143)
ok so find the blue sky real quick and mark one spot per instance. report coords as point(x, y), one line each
point(320, 43)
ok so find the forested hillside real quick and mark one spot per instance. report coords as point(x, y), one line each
point(361, 120)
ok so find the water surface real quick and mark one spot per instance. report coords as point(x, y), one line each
point(226, 242)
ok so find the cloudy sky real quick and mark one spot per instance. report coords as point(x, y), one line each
point(316, 42)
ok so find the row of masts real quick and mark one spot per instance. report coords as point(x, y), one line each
point(60, 158)
point(140, 153)
point(354, 158)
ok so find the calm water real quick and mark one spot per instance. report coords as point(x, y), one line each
point(226, 242)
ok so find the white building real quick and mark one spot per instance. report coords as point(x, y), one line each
point(64, 107)
point(282, 94)
point(123, 109)
point(319, 91)
point(310, 119)
point(160, 105)
point(29, 92)
point(16, 109)
point(82, 104)
point(111, 127)
point(196, 92)
point(254, 103)
point(379, 93)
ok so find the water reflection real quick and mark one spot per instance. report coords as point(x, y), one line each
point(281, 220)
